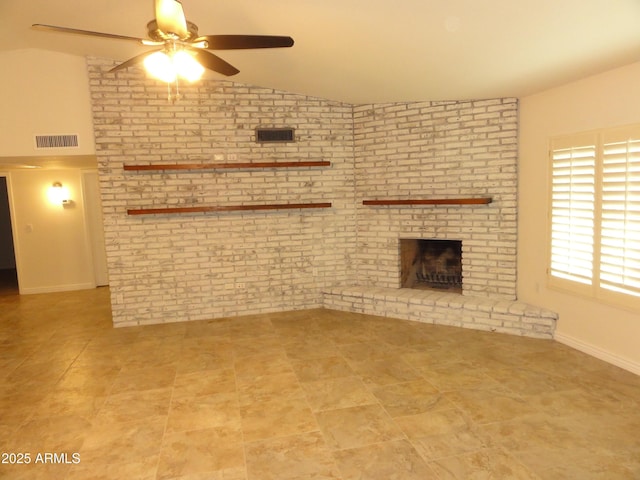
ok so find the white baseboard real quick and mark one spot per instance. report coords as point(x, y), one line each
point(633, 367)
point(57, 288)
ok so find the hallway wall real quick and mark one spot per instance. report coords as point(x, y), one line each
point(52, 248)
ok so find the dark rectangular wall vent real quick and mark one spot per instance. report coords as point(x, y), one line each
point(56, 141)
point(271, 135)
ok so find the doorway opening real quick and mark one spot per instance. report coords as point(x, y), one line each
point(8, 271)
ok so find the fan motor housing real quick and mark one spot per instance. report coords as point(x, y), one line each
point(158, 35)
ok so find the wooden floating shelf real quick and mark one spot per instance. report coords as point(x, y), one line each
point(432, 201)
point(223, 166)
point(229, 208)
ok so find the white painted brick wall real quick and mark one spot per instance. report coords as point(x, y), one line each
point(168, 268)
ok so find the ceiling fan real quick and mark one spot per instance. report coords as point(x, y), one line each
point(176, 37)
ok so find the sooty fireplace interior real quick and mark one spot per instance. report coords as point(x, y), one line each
point(433, 264)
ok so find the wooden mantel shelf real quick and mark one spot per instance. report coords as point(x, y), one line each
point(227, 208)
point(432, 201)
point(221, 166)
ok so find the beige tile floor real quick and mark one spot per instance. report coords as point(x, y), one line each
point(301, 395)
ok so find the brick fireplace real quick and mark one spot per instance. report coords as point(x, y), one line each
point(442, 150)
point(168, 268)
point(439, 150)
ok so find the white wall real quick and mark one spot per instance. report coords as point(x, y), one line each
point(52, 247)
point(46, 93)
point(43, 92)
point(605, 100)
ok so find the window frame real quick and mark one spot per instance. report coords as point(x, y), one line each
point(593, 290)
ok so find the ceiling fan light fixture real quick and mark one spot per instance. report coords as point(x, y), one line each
point(186, 66)
point(160, 66)
point(168, 66)
point(182, 54)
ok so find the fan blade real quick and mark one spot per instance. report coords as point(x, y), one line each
point(236, 42)
point(134, 60)
point(215, 63)
point(170, 18)
point(53, 28)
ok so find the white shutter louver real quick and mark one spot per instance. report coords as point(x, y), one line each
point(620, 230)
point(573, 213)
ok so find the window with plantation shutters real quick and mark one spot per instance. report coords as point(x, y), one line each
point(572, 213)
point(620, 224)
point(595, 214)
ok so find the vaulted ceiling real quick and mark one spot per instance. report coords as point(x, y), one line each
point(369, 51)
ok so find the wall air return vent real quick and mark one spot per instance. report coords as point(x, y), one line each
point(56, 141)
point(274, 135)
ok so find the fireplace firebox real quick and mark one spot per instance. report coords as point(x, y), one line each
point(431, 264)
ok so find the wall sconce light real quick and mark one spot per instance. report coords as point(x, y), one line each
point(59, 195)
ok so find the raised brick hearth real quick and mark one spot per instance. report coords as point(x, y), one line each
point(443, 308)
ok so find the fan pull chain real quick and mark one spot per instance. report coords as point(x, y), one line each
point(173, 91)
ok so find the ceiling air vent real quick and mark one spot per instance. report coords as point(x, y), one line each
point(56, 141)
point(271, 135)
